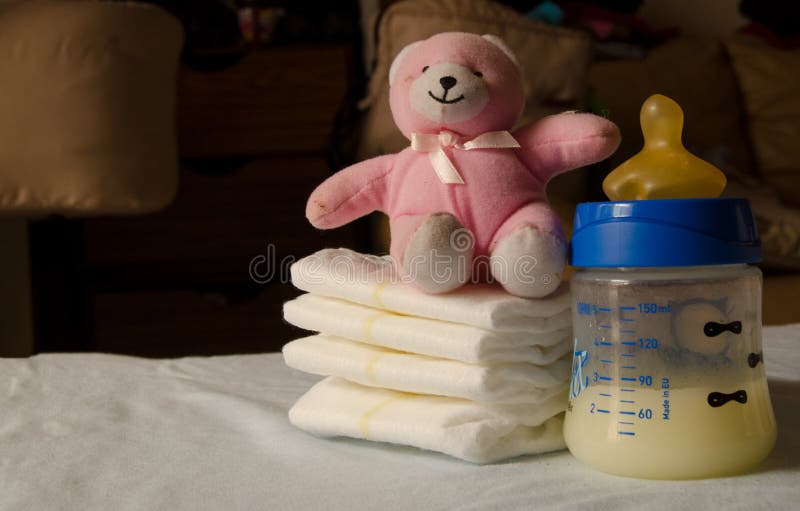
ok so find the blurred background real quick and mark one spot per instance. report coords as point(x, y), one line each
point(155, 157)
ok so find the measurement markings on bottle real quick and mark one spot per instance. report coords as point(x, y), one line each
point(654, 308)
point(620, 325)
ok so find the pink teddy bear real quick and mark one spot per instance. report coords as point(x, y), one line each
point(467, 199)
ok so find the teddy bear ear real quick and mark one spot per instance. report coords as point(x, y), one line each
point(503, 46)
point(398, 60)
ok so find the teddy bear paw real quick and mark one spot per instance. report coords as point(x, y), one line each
point(439, 256)
point(529, 262)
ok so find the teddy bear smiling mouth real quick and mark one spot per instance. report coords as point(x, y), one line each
point(444, 99)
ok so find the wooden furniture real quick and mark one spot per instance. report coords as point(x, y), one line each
point(253, 141)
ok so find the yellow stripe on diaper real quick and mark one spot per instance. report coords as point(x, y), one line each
point(363, 422)
point(369, 368)
point(377, 293)
point(366, 328)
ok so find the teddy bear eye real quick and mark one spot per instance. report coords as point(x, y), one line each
point(425, 68)
point(478, 74)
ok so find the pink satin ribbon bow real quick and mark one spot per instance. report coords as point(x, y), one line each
point(444, 168)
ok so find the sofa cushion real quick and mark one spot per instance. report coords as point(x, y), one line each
point(770, 83)
point(693, 72)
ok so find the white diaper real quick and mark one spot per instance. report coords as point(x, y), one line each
point(429, 336)
point(471, 431)
point(373, 281)
point(379, 367)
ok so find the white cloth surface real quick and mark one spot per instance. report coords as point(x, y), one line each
point(475, 432)
point(425, 336)
point(92, 433)
point(407, 372)
point(373, 281)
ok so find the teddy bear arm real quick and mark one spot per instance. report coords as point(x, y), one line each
point(563, 142)
point(350, 193)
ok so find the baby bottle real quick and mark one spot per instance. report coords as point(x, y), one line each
point(668, 377)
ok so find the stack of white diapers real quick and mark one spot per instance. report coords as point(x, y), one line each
point(477, 373)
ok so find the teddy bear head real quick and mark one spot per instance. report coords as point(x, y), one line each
point(464, 83)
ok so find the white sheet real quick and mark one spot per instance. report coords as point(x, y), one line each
point(98, 432)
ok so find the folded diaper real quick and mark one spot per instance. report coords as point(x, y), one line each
point(380, 367)
point(373, 281)
point(475, 432)
point(428, 336)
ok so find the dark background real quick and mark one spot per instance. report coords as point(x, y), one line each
point(260, 124)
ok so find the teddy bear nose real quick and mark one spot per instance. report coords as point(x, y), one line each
point(448, 82)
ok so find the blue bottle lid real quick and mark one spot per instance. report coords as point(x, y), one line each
point(668, 232)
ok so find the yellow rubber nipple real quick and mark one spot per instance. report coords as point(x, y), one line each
point(663, 169)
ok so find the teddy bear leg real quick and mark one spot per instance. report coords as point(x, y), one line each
point(434, 251)
point(528, 252)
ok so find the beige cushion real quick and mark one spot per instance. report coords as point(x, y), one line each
point(87, 107)
point(693, 72)
point(554, 59)
point(770, 84)
point(778, 224)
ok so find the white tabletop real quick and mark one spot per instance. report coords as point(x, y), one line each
point(101, 432)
